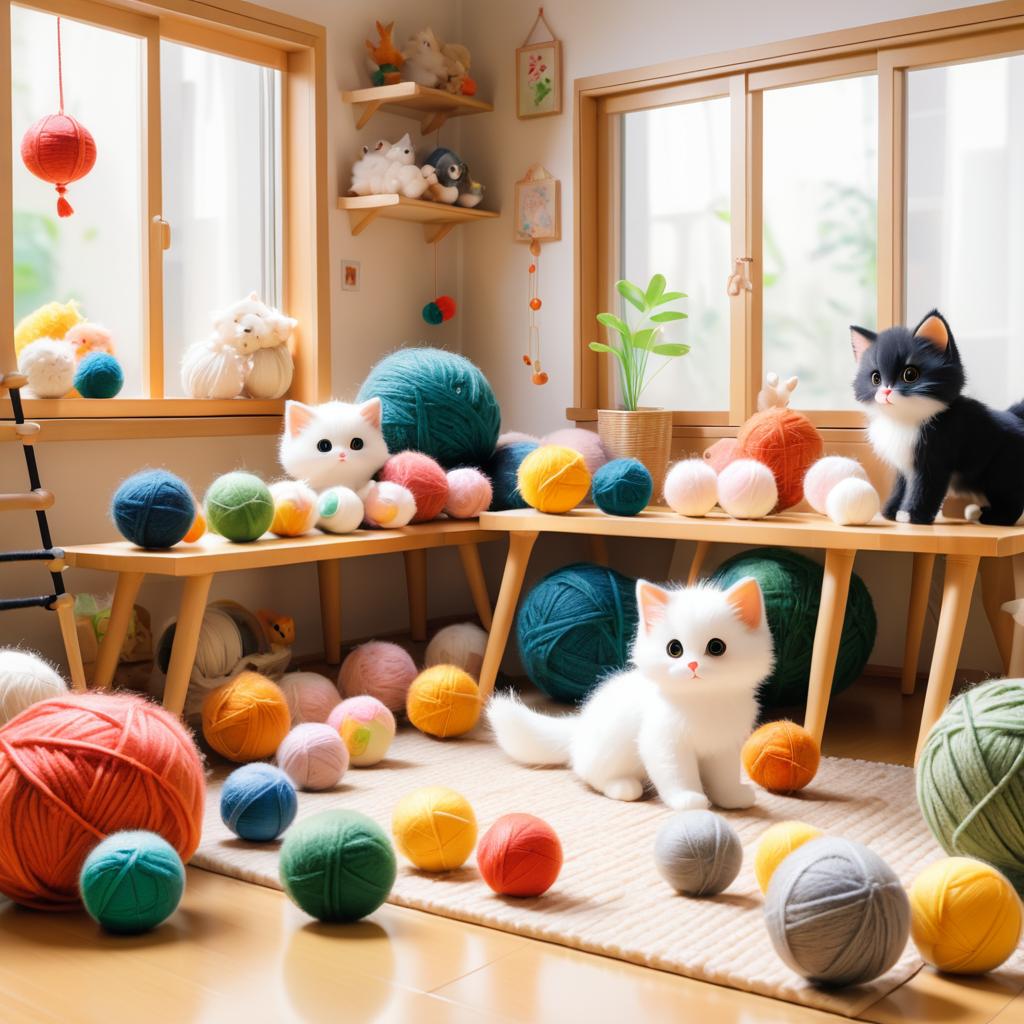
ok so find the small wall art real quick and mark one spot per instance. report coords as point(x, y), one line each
point(539, 73)
point(538, 206)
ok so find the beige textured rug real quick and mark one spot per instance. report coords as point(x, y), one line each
point(609, 898)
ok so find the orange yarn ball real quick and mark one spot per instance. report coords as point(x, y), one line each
point(781, 756)
point(788, 443)
point(421, 475)
point(73, 770)
point(197, 529)
point(519, 855)
point(246, 718)
point(443, 701)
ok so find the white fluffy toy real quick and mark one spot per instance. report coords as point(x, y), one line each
point(391, 168)
point(838, 487)
point(49, 365)
point(424, 61)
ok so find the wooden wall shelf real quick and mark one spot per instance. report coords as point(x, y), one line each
point(432, 107)
point(437, 218)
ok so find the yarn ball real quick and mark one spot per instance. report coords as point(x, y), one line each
point(198, 527)
point(60, 150)
point(296, 509)
point(519, 855)
point(970, 786)
point(99, 375)
point(435, 402)
point(508, 437)
point(777, 843)
point(132, 882)
point(853, 503)
point(435, 828)
point(366, 726)
point(339, 510)
point(836, 912)
point(691, 488)
point(74, 769)
point(721, 453)
point(423, 478)
point(212, 371)
point(258, 802)
point(503, 469)
point(432, 314)
point(25, 679)
point(49, 365)
point(469, 493)
point(311, 697)
point(791, 587)
point(153, 509)
point(462, 644)
point(239, 506)
point(965, 917)
point(246, 718)
point(52, 320)
point(622, 487)
point(443, 701)
point(575, 627)
point(825, 474)
point(788, 443)
point(313, 756)
point(378, 669)
point(586, 442)
point(747, 489)
point(781, 757)
point(388, 505)
point(219, 649)
point(553, 479)
point(338, 866)
point(698, 853)
point(270, 373)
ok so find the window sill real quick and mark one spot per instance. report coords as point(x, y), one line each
point(716, 424)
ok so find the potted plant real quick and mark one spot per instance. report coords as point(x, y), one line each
point(633, 431)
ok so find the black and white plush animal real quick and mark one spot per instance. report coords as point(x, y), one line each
point(452, 175)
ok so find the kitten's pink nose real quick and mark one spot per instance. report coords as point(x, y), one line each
point(887, 392)
point(692, 666)
point(342, 456)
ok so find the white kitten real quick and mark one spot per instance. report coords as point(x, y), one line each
point(678, 719)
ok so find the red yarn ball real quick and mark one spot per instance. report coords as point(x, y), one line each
point(788, 443)
point(75, 769)
point(519, 855)
point(59, 149)
point(446, 304)
point(421, 475)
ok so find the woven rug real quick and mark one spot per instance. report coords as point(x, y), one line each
point(609, 898)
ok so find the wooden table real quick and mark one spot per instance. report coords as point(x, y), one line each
point(197, 564)
point(963, 544)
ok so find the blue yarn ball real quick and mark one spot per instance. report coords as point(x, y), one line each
point(153, 509)
point(258, 802)
point(575, 627)
point(503, 469)
point(99, 375)
point(622, 487)
point(435, 402)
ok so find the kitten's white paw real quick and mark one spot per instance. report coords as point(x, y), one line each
point(624, 789)
point(688, 801)
point(902, 516)
point(972, 513)
point(737, 799)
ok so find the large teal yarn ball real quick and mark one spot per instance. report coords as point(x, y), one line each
point(622, 487)
point(575, 627)
point(970, 777)
point(99, 375)
point(239, 506)
point(132, 881)
point(791, 585)
point(153, 509)
point(435, 402)
point(503, 469)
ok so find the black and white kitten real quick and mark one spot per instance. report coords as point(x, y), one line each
point(910, 383)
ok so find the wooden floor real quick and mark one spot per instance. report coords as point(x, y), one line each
point(241, 953)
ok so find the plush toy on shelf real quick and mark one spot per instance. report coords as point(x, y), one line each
point(425, 64)
point(457, 62)
point(369, 167)
point(384, 58)
point(86, 337)
point(838, 487)
point(453, 182)
point(52, 320)
point(390, 168)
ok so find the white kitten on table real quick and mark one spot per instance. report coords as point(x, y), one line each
point(678, 718)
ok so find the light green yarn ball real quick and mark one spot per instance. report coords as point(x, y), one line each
point(239, 506)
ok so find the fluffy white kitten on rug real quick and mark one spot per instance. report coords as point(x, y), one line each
point(678, 718)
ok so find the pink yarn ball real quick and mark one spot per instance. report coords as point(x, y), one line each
point(366, 726)
point(514, 437)
point(469, 493)
point(747, 489)
point(691, 488)
point(311, 697)
point(313, 756)
point(721, 453)
point(423, 477)
point(377, 669)
point(825, 474)
point(586, 442)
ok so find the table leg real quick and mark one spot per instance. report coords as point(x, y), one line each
point(416, 584)
point(65, 609)
point(125, 591)
point(598, 550)
point(1015, 670)
point(700, 554)
point(835, 586)
point(328, 575)
point(957, 588)
point(997, 587)
point(920, 588)
point(470, 556)
point(186, 640)
point(519, 547)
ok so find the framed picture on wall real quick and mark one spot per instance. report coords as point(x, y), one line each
point(539, 74)
point(538, 207)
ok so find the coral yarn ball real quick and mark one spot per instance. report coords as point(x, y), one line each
point(781, 757)
point(777, 843)
point(59, 149)
point(435, 828)
point(519, 855)
point(446, 306)
point(296, 508)
point(377, 669)
point(825, 474)
point(691, 488)
point(469, 493)
point(366, 726)
point(75, 769)
point(788, 443)
point(246, 718)
point(747, 489)
point(443, 701)
point(423, 478)
point(553, 478)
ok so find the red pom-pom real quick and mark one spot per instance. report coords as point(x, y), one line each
point(421, 475)
point(446, 304)
point(519, 855)
point(59, 150)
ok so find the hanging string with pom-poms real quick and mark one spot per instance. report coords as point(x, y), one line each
point(57, 148)
point(532, 356)
point(441, 309)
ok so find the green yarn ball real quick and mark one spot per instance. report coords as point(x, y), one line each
point(437, 403)
point(970, 777)
point(622, 487)
point(791, 585)
point(575, 627)
point(338, 865)
point(239, 506)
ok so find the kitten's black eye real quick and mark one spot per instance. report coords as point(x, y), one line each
point(876, 378)
point(911, 373)
point(716, 647)
point(323, 445)
point(357, 444)
point(675, 649)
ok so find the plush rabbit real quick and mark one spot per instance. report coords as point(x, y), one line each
point(424, 61)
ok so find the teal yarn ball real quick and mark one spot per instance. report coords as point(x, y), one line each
point(435, 402)
point(239, 506)
point(432, 314)
point(338, 866)
point(99, 375)
point(622, 487)
point(153, 509)
point(503, 469)
point(132, 882)
point(970, 777)
point(258, 802)
point(837, 913)
point(575, 627)
point(698, 853)
point(791, 585)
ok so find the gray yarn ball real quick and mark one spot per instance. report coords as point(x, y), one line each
point(698, 853)
point(837, 913)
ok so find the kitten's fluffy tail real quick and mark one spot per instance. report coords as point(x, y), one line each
point(529, 737)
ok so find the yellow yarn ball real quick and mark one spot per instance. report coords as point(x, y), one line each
point(777, 844)
point(553, 479)
point(435, 828)
point(443, 701)
point(53, 320)
point(965, 917)
point(295, 508)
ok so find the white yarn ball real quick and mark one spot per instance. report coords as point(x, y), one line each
point(49, 365)
point(25, 679)
point(747, 489)
point(462, 644)
point(852, 502)
point(691, 488)
point(270, 373)
point(389, 505)
point(314, 756)
point(220, 644)
point(340, 510)
point(311, 697)
point(212, 370)
point(825, 474)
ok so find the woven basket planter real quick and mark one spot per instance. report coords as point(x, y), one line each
point(645, 434)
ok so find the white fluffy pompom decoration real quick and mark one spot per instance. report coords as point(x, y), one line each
point(461, 645)
point(691, 488)
point(341, 510)
point(388, 505)
point(25, 679)
point(49, 366)
point(747, 490)
point(852, 502)
point(825, 474)
point(212, 370)
point(270, 373)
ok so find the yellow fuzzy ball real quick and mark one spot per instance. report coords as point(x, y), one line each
point(435, 828)
point(443, 701)
point(777, 844)
point(965, 917)
point(553, 478)
point(53, 320)
point(295, 508)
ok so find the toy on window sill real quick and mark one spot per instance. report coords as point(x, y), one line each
point(384, 58)
point(49, 366)
point(52, 320)
point(390, 168)
point(425, 64)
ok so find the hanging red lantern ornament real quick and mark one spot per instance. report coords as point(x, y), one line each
point(531, 357)
point(57, 148)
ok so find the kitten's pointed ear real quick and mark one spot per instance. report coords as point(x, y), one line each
point(297, 417)
point(370, 411)
point(745, 598)
point(652, 601)
point(934, 329)
point(861, 339)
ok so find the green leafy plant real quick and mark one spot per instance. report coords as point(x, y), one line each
point(638, 340)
